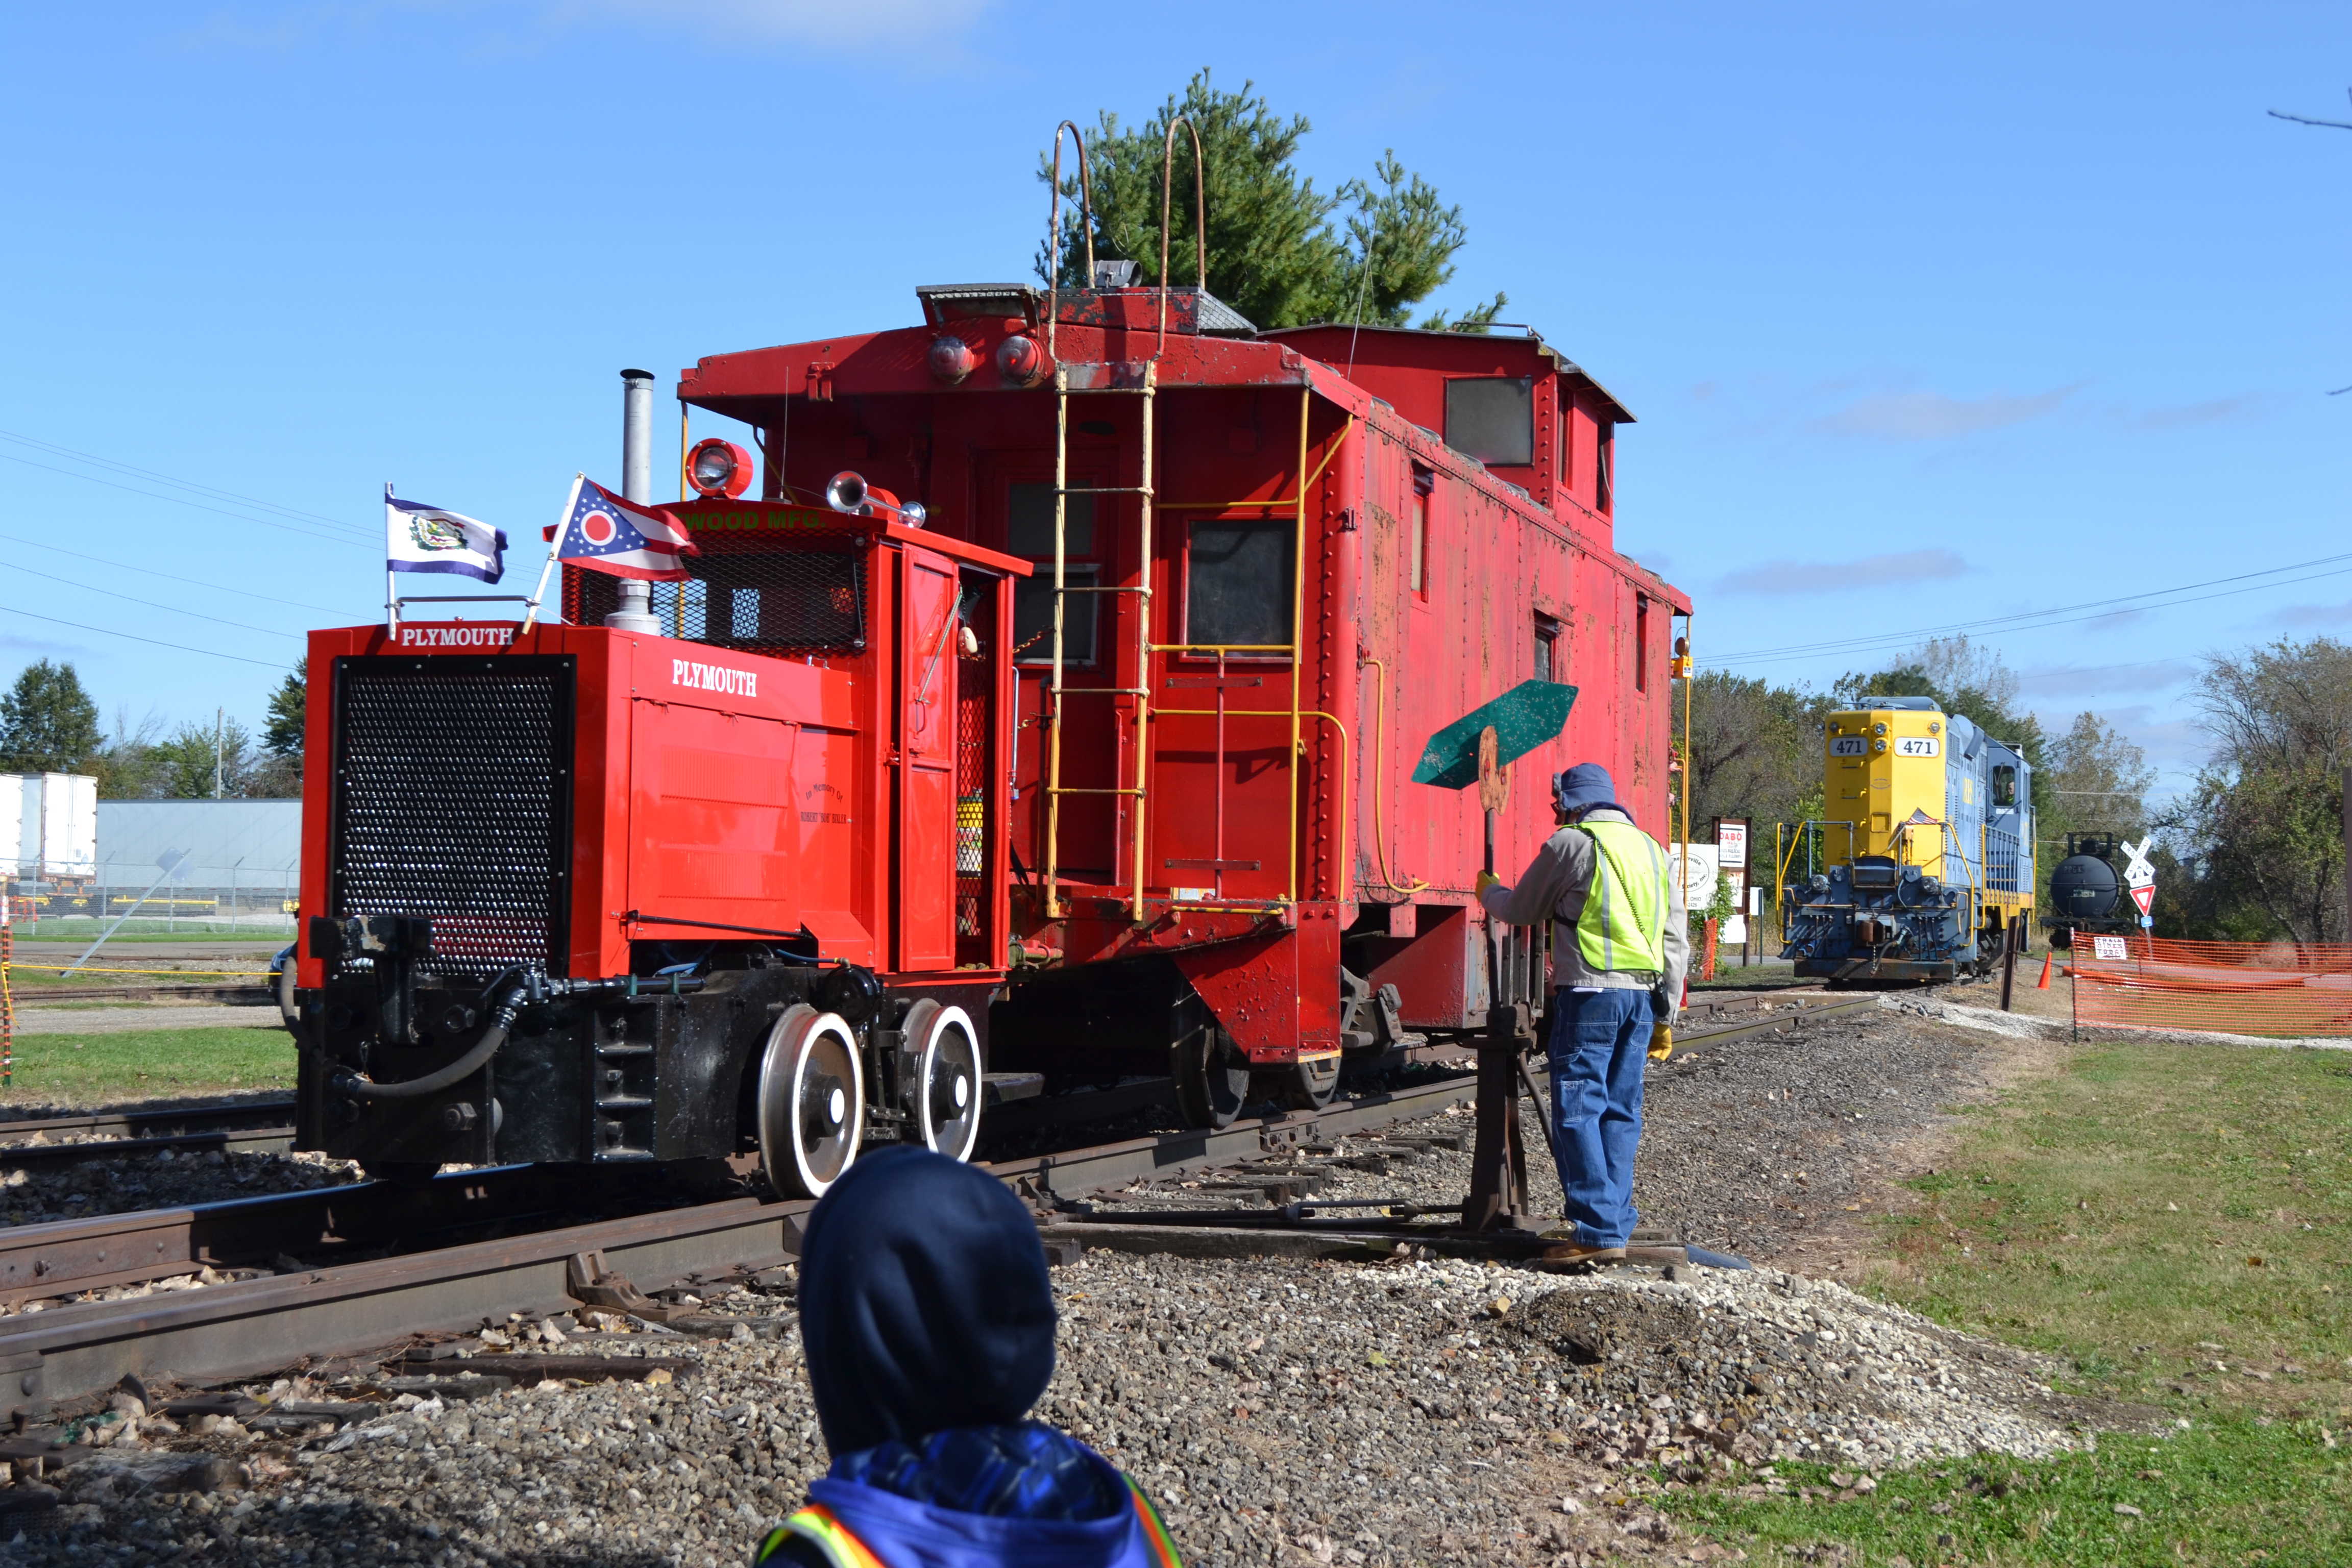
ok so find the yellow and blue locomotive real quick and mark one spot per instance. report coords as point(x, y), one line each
point(1923, 866)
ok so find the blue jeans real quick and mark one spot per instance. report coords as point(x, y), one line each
point(1599, 1043)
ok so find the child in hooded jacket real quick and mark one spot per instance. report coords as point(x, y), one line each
point(928, 1321)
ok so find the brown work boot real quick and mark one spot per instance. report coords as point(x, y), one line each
point(1576, 1252)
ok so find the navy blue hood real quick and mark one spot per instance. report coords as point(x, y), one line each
point(924, 1302)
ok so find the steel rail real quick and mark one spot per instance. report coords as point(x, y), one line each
point(159, 1123)
point(89, 1151)
point(145, 1123)
point(340, 1308)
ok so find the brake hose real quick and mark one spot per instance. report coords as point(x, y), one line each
point(465, 1067)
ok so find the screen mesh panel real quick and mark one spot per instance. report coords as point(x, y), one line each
point(763, 600)
point(451, 800)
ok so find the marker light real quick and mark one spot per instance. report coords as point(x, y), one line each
point(718, 468)
point(952, 359)
point(1021, 361)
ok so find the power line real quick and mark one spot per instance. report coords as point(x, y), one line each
point(152, 605)
point(158, 642)
point(183, 501)
point(2099, 610)
point(56, 450)
point(170, 576)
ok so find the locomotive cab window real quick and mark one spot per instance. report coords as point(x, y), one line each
point(2004, 786)
point(1493, 418)
point(1029, 532)
point(1238, 586)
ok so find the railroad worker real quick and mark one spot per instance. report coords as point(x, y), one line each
point(1618, 951)
point(928, 1324)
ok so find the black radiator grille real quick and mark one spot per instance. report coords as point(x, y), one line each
point(452, 799)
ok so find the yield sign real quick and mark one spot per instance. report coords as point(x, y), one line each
point(2144, 898)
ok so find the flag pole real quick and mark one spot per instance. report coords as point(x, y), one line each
point(555, 545)
point(390, 590)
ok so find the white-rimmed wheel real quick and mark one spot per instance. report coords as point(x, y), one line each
point(943, 1092)
point(812, 1107)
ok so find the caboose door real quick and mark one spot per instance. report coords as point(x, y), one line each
point(927, 664)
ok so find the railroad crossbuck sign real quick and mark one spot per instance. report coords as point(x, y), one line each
point(2140, 876)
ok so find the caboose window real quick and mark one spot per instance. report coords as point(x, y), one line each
point(1604, 475)
point(1238, 586)
point(1029, 532)
point(1493, 418)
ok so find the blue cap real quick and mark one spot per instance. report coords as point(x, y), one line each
point(1583, 787)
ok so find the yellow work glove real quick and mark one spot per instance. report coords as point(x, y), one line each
point(1662, 1041)
point(1487, 879)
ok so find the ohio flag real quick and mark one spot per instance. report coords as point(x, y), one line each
point(604, 534)
point(420, 538)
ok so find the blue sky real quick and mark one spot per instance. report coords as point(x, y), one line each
point(1928, 319)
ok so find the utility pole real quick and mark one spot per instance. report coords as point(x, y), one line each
point(2346, 781)
point(217, 714)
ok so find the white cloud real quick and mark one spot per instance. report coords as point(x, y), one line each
point(1833, 577)
point(814, 21)
point(2066, 681)
point(2313, 616)
point(1933, 416)
point(926, 24)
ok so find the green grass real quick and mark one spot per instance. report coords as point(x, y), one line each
point(2170, 1221)
point(2239, 1490)
point(81, 1070)
point(152, 931)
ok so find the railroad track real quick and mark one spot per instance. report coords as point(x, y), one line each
point(340, 1270)
point(245, 1126)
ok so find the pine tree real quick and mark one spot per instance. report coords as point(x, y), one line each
point(47, 722)
point(1273, 252)
point(281, 731)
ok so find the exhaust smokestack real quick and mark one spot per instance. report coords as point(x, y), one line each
point(636, 613)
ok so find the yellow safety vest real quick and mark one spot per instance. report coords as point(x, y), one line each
point(1623, 925)
point(842, 1549)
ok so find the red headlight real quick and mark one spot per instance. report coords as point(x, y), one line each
point(716, 468)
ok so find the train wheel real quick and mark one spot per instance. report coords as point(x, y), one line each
point(1212, 1083)
point(812, 1105)
point(945, 1090)
point(1308, 1085)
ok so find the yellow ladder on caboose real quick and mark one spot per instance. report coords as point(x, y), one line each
point(1101, 379)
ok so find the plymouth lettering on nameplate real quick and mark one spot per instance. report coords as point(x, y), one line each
point(701, 676)
point(458, 635)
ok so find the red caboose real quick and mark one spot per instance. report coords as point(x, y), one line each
point(1103, 769)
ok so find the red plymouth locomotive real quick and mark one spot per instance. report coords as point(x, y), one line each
point(1048, 717)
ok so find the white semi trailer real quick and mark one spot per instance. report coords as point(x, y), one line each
point(48, 829)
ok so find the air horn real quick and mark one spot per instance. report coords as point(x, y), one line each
point(848, 491)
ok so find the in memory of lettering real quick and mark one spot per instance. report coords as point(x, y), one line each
point(701, 676)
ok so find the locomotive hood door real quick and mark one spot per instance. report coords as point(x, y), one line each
point(929, 658)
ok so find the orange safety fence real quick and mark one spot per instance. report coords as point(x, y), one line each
point(2272, 988)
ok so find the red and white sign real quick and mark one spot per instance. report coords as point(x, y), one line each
point(1731, 843)
point(2144, 898)
point(2109, 947)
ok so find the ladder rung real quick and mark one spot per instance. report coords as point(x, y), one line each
point(1066, 789)
point(1128, 588)
point(1107, 491)
point(1103, 690)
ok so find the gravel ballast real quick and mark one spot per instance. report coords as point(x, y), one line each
point(1283, 1412)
